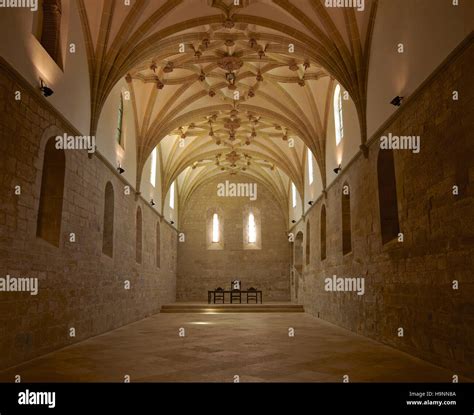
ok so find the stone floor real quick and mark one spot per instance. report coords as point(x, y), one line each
point(217, 347)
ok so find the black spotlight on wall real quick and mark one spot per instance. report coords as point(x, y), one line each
point(397, 101)
point(47, 92)
point(120, 169)
point(172, 222)
point(152, 202)
point(337, 169)
point(310, 203)
point(293, 221)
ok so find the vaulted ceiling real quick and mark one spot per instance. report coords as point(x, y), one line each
point(224, 88)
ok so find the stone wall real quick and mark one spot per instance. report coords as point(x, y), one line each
point(409, 284)
point(201, 269)
point(79, 286)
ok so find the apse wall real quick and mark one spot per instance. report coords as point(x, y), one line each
point(408, 284)
point(201, 269)
point(80, 287)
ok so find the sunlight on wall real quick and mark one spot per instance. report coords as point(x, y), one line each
point(338, 114)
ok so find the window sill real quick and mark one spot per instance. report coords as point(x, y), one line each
point(252, 247)
point(215, 246)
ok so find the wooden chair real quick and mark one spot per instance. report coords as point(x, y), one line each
point(252, 295)
point(219, 295)
point(235, 295)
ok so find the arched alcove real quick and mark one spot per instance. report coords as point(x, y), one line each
point(51, 196)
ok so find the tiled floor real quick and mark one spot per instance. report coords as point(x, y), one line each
point(217, 347)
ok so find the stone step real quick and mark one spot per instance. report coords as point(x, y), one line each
point(231, 308)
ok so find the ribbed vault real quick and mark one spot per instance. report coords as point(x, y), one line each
point(221, 88)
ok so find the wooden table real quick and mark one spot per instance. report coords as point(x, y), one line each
point(211, 295)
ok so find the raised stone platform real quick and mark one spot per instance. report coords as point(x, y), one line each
point(232, 308)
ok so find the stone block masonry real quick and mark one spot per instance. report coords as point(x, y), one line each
point(78, 286)
point(409, 285)
point(201, 269)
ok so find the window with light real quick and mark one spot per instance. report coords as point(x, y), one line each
point(338, 114)
point(293, 194)
point(153, 168)
point(252, 229)
point(120, 122)
point(172, 196)
point(215, 228)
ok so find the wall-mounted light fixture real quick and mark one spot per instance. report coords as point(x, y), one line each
point(337, 169)
point(152, 202)
point(310, 203)
point(293, 221)
point(47, 92)
point(120, 169)
point(172, 222)
point(397, 101)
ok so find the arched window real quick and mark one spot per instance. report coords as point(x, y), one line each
point(158, 245)
point(251, 225)
point(310, 167)
point(339, 126)
point(346, 220)
point(153, 168)
point(172, 196)
point(308, 243)
point(138, 246)
point(215, 228)
point(49, 28)
point(323, 233)
point(108, 232)
point(388, 203)
point(293, 195)
point(51, 196)
point(119, 135)
point(252, 229)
